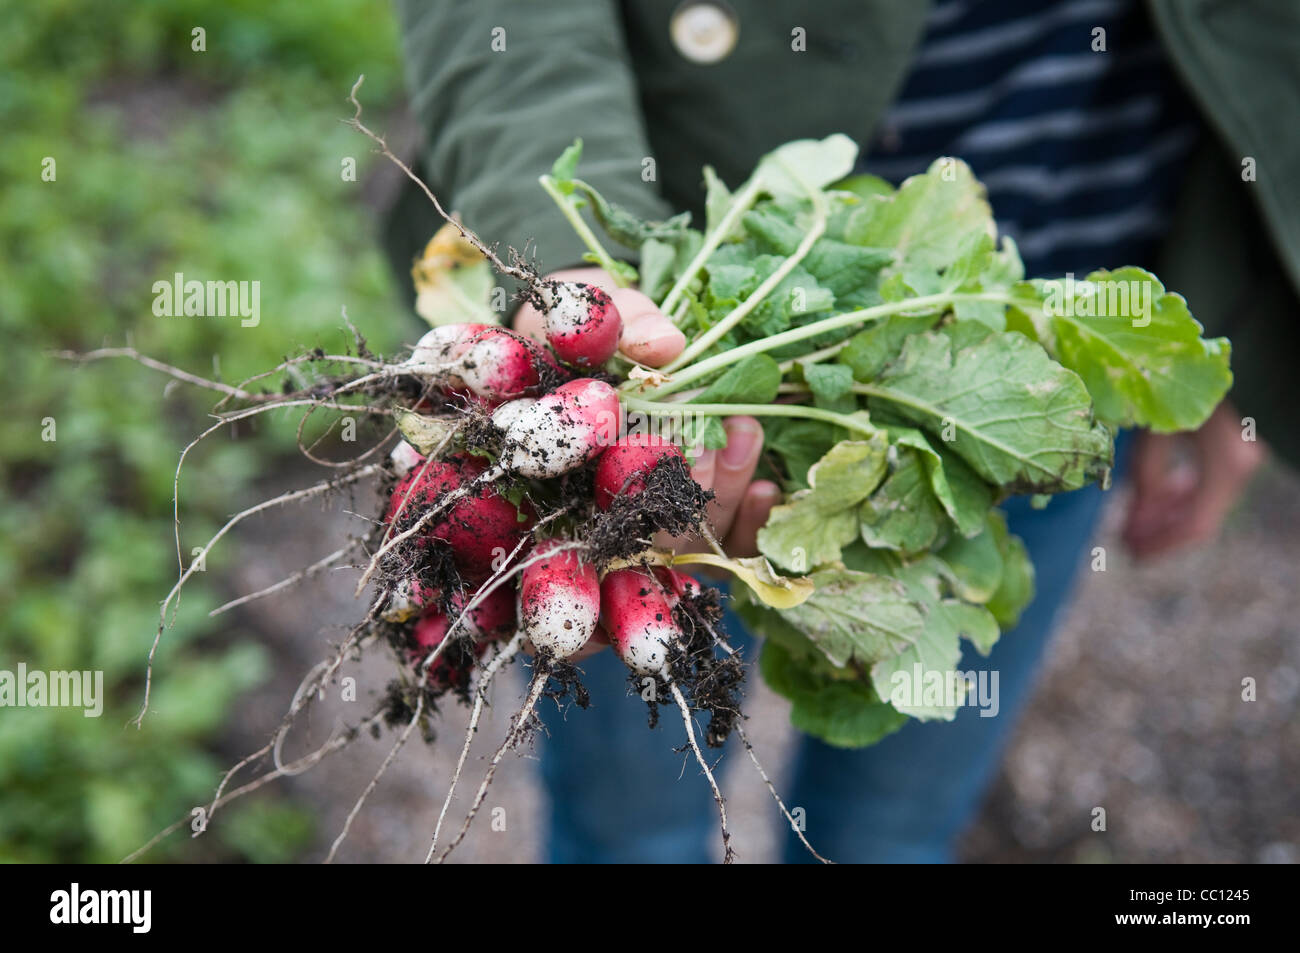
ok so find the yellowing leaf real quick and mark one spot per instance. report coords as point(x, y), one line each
point(777, 591)
point(422, 432)
point(453, 281)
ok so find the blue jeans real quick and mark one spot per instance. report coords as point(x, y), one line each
point(618, 792)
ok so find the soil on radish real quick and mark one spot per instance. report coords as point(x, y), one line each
point(672, 502)
point(712, 683)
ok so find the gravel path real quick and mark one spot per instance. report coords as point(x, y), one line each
point(1139, 711)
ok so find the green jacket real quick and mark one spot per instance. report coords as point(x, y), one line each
point(500, 87)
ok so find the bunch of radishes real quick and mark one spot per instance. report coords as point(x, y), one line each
point(528, 529)
point(541, 433)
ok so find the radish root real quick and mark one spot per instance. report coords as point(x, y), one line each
point(728, 853)
point(513, 737)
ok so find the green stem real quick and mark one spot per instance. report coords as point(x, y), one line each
point(616, 269)
point(884, 393)
point(656, 409)
point(741, 311)
point(740, 203)
point(794, 335)
point(816, 357)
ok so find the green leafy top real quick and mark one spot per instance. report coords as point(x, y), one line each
point(908, 378)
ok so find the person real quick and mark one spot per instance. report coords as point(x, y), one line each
point(1107, 132)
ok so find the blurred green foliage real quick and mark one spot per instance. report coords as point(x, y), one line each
point(222, 164)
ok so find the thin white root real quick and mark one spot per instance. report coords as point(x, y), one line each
point(480, 697)
point(355, 122)
point(728, 854)
point(283, 498)
point(794, 825)
point(302, 764)
point(299, 702)
point(374, 782)
point(288, 581)
point(722, 643)
point(176, 372)
point(513, 737)
point(313, 684)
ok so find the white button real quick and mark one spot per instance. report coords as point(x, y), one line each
point(704, 32)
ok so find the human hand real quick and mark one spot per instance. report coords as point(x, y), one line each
point(1184, 485)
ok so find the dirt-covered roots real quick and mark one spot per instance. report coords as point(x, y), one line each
point(712, 683)
point(672, 502)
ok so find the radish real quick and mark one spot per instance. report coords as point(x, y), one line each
point(484, 526)
point(678, 584)
point(582, 324)
point(499, 364)
point(410, 597)
point(492, 619)
point(429, 633)
point(562, 430)
point(506, 414)
point(559, 600)
point(443, 344)
point(490, 362)
point(404, 458)
point(423, 485)
point(624, 466)
point(639, 620)
point(479, 528)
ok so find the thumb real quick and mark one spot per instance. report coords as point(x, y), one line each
point(649, 337)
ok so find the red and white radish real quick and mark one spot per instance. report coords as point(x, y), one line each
point(624, 466)
point(562, 430)
point(678, 584)
point(499, 364)
point(489, 362)
point(409, 599)
point(440, 347)
point(429, 633)
point(639, 620)
point(479, 528)
point(404, 458)
point(559, 600)
point(582, 324)
point(489, 621)
point(422, 486)
point(506, 414)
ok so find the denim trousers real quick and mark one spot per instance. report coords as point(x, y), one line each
point(618, 792)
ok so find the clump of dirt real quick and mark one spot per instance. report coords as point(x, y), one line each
point(712, 683)
point(672, 502)
point(480, 435)
point(565, 677)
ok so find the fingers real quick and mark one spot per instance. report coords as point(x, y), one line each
point(752, 513)
point(648, 336)
point(733, 470)
point(1153, 496)
point(1181, 506)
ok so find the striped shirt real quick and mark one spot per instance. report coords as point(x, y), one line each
point(1081, 150)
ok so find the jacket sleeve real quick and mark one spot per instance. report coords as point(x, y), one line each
point(500, 88)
